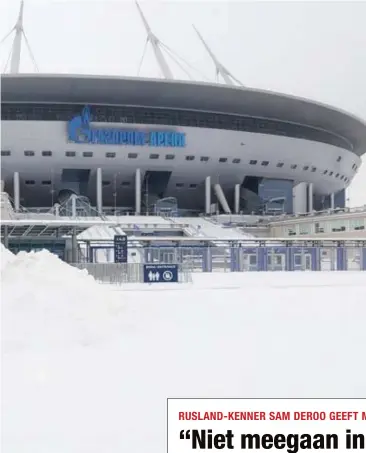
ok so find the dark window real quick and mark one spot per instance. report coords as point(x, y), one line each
point(236, 161)
point(70, 154)
point(279, 165)
point(204, 159)
point(342, 177)
point(330, 173)
point(325, 172)
point(253, 162)
point(87, 154)
point(189, 157)
point(110, 155)
point(5, 153)
point(179, 184)
point(125, 183)
point(132, 155)
point(293, 167)
point(223, 159)
point(106, 183)
point(265, 163)
point(192, 186)
point(170, 156)
point(306, 168)
point(339, 158)
point(337, 175)
point(313, 169)
point(154, 156)
point(46, 183)
point(47, 153)
point(29, 153)
point(30, 182)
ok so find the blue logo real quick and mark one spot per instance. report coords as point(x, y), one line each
point(80, 131)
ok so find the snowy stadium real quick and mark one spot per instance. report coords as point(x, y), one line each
point(154, 228)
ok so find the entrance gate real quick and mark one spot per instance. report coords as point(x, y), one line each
point(279, 259)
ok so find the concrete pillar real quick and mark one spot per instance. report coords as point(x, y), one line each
point(74, 247)
point(73, 205)
point(138, 192)
point(99, 192)
point(208, 195)
point(310, 197)
point(6, 236)
point(222, 199)
point(16, 192)
point(332, 201)
point(299, 194)
point(237, 199)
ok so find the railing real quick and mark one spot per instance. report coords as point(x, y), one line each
point(243, 220)
point(254, 220)
point(315, 214)
point(155, 226)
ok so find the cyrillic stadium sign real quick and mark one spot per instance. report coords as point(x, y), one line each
point(81, 131)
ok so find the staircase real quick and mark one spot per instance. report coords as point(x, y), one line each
point(6, 208)
point(207, 228)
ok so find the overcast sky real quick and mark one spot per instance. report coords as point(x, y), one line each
point(311, 49)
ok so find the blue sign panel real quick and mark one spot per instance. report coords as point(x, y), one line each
point(160, 273)
point(120, 249)
point(81, 131)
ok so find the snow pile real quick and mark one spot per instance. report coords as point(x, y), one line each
point(48, 303)
point(6, 257)
point(235, 335)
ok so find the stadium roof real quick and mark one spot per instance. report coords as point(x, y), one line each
point(108, 90)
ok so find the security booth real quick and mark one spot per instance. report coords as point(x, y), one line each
point(357, 258)
point(304, 259)
point(249, 259)
point(277, 258)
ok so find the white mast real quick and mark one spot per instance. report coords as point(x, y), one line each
point(220, 68)
point(16, 48)
point(17, 43)
point(155, 42)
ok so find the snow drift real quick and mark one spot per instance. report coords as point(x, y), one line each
point(82, 375)
point(47, 302)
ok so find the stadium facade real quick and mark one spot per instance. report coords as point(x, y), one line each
point(130, 142)
point(142, 144)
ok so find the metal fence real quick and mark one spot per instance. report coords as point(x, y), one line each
point(275, 258)
point(230, 259)
point(119, 273)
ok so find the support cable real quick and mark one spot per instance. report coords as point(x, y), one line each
point(143, 56)
point(8, 60)
point(176, 61)
point(7, 36)
point(30, 52)
point(168, 49)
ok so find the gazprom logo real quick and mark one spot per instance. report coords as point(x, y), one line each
point(80, 131)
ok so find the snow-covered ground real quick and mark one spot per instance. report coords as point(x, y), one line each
point(87, 368)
